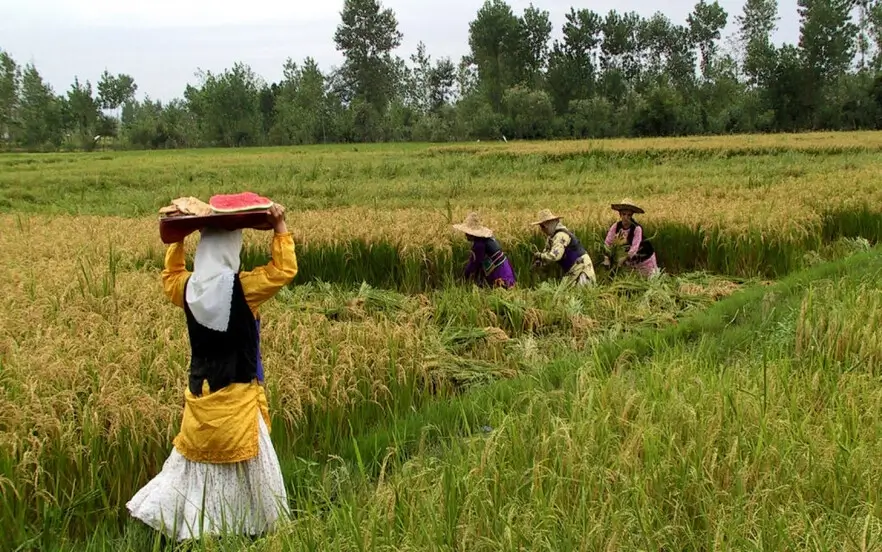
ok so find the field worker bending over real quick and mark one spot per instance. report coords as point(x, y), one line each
point(640, 253)
point(223, 466)
point(564, 248)
point(487, 264)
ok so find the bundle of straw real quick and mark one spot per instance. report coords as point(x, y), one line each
point(616, 254)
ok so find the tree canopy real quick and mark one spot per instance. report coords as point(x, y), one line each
point(608, 74)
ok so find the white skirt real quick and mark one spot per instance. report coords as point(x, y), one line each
point(189, 499)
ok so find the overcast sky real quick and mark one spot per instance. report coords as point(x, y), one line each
point(161, 43)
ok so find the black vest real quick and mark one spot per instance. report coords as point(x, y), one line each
point(226, 357)
point(644, 250)
point(572, 253)
point(491, 246)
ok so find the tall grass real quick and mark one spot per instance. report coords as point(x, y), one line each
point(679, 249)
point(341, 361)
point(699, 446)
point(689, 450)
point(680, 181)
point(839, 327)
point(413, 412)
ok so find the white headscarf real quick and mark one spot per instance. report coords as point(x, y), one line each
point(210, 288)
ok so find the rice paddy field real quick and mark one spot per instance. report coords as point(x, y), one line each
point(732, 403)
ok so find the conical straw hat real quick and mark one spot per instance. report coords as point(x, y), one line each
point(627, 204)
point(473, 227)
point(545, 215)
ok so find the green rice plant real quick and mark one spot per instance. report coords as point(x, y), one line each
point(671, 412)
point(854, 222)
point(684, 453)
point(679, 249)
point(840, 326)
point(513, 313)
point(455, 337)
point(103, 286)
point(380, 299)
point(614, 255)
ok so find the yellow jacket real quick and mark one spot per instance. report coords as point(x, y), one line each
point(221, 425)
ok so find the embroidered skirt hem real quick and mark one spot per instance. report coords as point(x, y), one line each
point(187, 499)
point(582, 273)
point(502, 276)
point(646, 268)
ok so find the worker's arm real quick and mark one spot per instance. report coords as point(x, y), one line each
point(610, 236)
point(635, 243)
point(476, 255)
point(558, 246)
point(265, 281)
point(175, 273)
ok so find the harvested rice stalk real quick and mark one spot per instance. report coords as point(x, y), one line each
point(615, 254)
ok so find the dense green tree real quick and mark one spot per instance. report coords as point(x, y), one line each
point(755, 28)
point(40, 111)
point(705, 23)
point(592, 118)
point(572, 71)
point(827, 42)
point(536, 32)
point(9, 86)
point(874, 31)
point(113, 91)
point(620, 53)
point(442, 79)
point(499, 49)
point(80, 112)
point(152, 125)
point(529, 113)
point(612, 74)
point(267, 99)
point(656, 33)
point(863, 42)
point(142, 124)
point(467, 80)
point(228, 106)
point(827, 38)
point(367, 36)
point(789, 91)
point(418, 91)
point(303, 107)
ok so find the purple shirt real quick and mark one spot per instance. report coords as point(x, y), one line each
point(489, 265)
point(259, 361)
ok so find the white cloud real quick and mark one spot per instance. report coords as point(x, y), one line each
point(166, 13)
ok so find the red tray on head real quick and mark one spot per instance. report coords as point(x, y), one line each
point(175, 229)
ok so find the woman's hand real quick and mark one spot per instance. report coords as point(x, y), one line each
point(277, 219)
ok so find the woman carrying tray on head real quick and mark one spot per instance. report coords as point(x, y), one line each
point(564, 248)
point(487, 264)
point(223, 474)
point(641, 254)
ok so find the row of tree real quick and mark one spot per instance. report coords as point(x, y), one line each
point(617, 74)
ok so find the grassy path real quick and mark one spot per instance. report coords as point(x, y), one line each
point(726, 431)
point(412, 412)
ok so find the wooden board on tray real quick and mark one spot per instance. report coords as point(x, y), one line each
point(175, 228)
